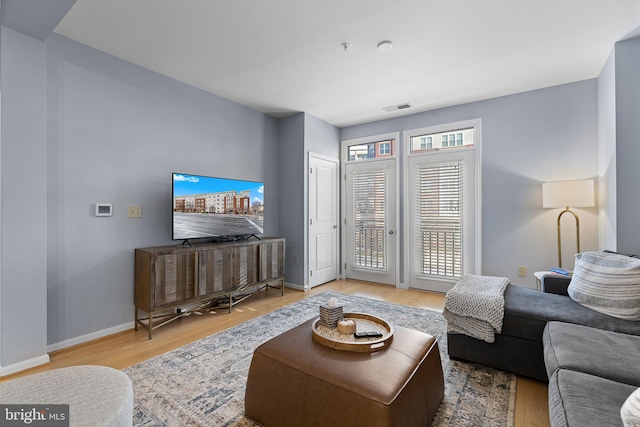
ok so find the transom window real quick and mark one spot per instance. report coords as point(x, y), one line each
point(442, 140)
point(371, 150)
point(426, 142)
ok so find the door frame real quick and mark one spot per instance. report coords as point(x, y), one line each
point(343, 199)
point(336, 213)
point(477, 196)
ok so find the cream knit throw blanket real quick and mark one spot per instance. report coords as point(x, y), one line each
point(475, 306)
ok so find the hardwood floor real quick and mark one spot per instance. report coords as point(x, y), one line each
point(130, 347)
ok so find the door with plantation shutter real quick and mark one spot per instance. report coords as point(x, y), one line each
point(441, 227)
point(370, 221)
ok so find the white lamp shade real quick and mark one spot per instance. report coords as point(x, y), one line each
point(577, 193)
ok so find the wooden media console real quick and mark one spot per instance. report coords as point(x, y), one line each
point(168, 279)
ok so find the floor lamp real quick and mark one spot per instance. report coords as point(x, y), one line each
point(566, 194)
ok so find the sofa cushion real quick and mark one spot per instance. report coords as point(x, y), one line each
point(593, 351)
point(579, 399)
point(555, 284)
point(608, 283)
point(527, 311)
point(630, 411)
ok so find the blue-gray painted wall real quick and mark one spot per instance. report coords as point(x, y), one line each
point(292, 190)
point(528, 138)
point(300, 134)
point(607, 207)
point(627, 101)
point(117, 132)
point(23, 210)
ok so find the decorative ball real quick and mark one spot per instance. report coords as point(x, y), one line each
point(347, 327)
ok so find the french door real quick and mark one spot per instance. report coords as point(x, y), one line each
point(442, 205)
point(370, 221)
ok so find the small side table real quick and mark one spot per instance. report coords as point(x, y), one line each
point(539, 276)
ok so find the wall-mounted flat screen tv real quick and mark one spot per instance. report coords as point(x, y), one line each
point(216, 208)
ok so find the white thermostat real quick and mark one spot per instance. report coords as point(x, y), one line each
point(104, 209)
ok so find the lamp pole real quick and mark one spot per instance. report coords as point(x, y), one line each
point(577, 233)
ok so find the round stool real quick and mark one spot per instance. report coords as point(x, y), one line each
point(96, 395)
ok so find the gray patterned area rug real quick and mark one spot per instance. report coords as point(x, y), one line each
point(203, 383)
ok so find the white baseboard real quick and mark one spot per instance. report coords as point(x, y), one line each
point(294, 286)
point(90, 337)
point(11, 369)
point(25, 364)
point(123, 327)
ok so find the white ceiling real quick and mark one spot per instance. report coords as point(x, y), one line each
point(285, 56)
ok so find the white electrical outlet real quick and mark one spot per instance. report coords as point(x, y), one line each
point(134, 211)
point(522, 271)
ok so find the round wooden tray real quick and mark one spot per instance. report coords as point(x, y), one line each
point(330, 337)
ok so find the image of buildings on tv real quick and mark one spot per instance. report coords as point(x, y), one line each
point(207, 207)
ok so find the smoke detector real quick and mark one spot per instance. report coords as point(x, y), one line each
point(385, 46)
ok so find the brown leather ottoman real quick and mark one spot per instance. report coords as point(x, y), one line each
point(294, 381)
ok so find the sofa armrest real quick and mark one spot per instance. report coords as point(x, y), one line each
point(555, 284)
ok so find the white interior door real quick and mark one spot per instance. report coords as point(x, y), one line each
point(370, 234)
point(323, 219)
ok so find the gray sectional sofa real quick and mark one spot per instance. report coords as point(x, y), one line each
point(519, 348)
point(591, 373)
point(590, 359)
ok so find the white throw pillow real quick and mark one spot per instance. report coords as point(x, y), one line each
point(608, 283)
point(630, 411)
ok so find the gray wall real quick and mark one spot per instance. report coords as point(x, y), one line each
point(115, 133)
point(300, 134)
point(627, 98)
point(23, 190)
point(292, 201)
point(528, 138)
point(321, 137)
point(607, 216)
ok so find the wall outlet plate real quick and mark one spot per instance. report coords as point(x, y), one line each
point(522, 271)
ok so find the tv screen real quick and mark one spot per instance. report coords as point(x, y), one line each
point(216, 208)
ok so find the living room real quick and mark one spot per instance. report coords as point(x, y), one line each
point(80, 126)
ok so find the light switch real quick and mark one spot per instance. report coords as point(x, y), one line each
point(135, 211)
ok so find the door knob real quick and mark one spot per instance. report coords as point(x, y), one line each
point(390, 231)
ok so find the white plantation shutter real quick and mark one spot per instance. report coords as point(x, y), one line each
point(439, 217)
point(368, 218)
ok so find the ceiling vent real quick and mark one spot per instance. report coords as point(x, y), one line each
point(397, 107)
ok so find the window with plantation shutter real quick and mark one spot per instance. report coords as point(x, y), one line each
point(439, 215)
point(368, 196)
